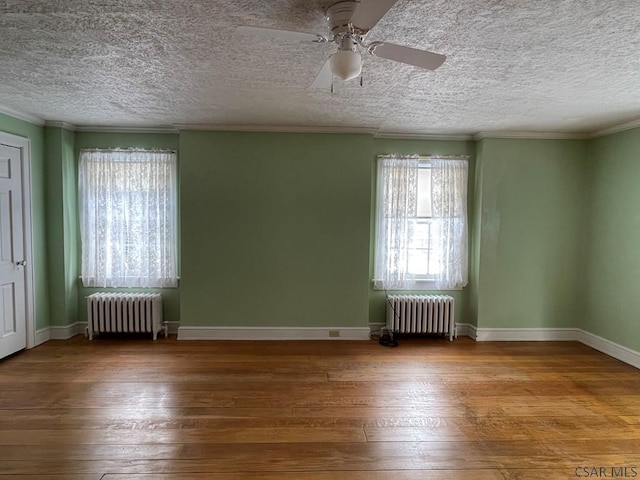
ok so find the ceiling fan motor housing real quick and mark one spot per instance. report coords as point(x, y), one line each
point(339, 16)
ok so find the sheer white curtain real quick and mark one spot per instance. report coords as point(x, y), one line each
point(398, 235)
point(397, 201)
point(449, 207)
point(128, 209)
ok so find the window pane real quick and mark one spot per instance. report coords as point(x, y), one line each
point(424, 192)
point(435, 265)
point(419, 234)
point(418, 262)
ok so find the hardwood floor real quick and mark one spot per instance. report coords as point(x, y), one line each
point(134, 409)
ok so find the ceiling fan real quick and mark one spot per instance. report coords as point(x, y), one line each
point(350, 21)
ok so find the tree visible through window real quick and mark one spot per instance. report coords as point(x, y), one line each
point(128, 208)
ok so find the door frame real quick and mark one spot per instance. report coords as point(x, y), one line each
point(24, 145)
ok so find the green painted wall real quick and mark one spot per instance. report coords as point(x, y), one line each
point(168, 141)
point(71, 227)
point(383, 146)
point(533, 219)
point(61, 210)
point(38, 200)
point(613, 262)
point(475, 234)
point(170, 296)
point(275, 229)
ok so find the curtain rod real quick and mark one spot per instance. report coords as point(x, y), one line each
point(132, 150)
point(425, 157)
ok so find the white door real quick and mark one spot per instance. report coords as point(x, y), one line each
point(13, 335)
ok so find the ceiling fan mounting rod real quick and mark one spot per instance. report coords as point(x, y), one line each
point(357, 40)
point(348, 41)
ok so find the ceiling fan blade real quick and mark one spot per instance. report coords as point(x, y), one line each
point(279, 34)
point(368, 13)
point(408, 55)
point(324, 79)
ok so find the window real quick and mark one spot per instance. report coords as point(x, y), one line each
point(128, 208)
point(421, 227)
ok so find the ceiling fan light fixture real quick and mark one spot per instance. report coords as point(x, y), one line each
point(346, 64)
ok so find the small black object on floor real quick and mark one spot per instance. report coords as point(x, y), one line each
point(387, 340)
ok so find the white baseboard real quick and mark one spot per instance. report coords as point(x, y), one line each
point(462, 329)
point(608, 347)
point(172, 327)
point(68, 331)
point(596, 342)
point(376, 326)
point(525, 334)
point(466, 330)
point(65, 332)
point(42, 335)
point(272, 333)
point(59, 332)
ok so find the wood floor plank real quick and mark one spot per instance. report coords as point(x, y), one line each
point(631, 419)
point(88, 476)
point(343, 475)
point(561, 473)
point(431, 409)
point(218, 462)
point(244, 435)
point(91, 419)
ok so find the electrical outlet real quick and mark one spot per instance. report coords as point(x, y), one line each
point(334, 333)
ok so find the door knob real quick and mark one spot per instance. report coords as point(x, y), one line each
point(21, 263)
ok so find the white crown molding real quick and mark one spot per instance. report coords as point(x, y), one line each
point(616, 128)
point(531, 135)
point(21, 116)
point(272, 333)
point(322, 129)
point(423, 136)
point(277, 129)
point(60, 124)
point(330, 129)
point(107, 129)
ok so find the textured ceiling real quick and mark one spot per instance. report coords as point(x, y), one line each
point(534, 65)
